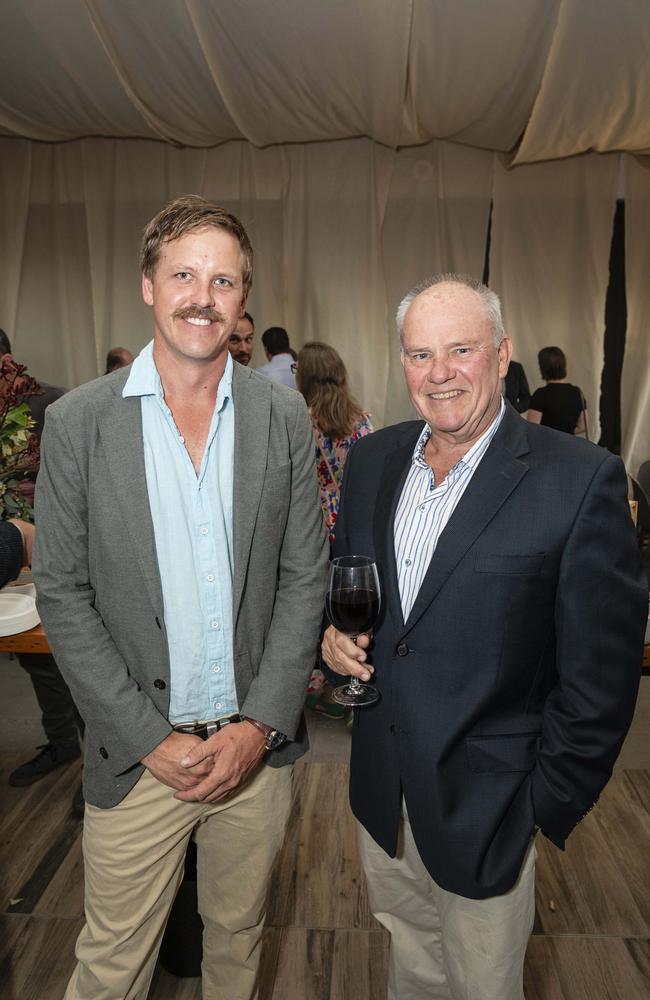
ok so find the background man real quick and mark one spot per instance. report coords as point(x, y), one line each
point(507, 654)
point(60, 719)
point(280, 359)
point(180, 570)
point(241, 339)
point(117, 357)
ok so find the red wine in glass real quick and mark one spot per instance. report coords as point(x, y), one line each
point(352, 604)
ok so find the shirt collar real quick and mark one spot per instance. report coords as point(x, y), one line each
point(144, 379)
point(470, 458)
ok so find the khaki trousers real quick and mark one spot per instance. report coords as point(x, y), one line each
point(133, 857)
point(444, 946)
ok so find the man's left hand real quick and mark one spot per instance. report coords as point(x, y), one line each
point(236, 750)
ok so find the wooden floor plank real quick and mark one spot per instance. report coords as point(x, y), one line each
point(64, 894)
point(596, 968)
point(37, 956)
point(360, 965)
point(317, 881)
point(541, 979)
point(303, 970)
point(587, 889)
point(40, 817)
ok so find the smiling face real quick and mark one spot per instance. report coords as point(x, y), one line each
point(197, 296)
point(453, 368)
point(240, 343)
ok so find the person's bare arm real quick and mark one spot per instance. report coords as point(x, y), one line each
point(27, 532)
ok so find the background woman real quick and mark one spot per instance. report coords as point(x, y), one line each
point(337, 422)
point(559, 404)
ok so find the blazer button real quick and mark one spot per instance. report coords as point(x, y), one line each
point(159, 684)
point(402, 649)
point(103, 752)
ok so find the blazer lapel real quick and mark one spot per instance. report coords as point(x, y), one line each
point(496, 477)
point(252, 402)
point(120, 426)
point(396, 466)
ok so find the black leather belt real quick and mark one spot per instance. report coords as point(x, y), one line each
point(204, 728)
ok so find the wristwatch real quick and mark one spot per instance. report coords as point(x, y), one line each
point(273, 738)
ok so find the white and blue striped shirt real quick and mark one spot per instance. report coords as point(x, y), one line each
point(424, 510)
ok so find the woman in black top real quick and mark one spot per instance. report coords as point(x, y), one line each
point(558, 404)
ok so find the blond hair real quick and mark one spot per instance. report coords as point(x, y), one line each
point(183, 216)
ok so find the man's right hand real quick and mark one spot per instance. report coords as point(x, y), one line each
point(345, 656)
point(164, 762)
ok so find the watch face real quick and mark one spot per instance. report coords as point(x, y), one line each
point(274, 740)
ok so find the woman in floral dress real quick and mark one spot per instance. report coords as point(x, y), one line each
point(337, 422)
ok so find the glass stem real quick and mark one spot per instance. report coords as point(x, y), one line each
point(355, 684)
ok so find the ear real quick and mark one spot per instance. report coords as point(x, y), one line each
point(147, 290)
point(505, 353)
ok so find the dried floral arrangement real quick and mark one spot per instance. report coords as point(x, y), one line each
point(19, 453)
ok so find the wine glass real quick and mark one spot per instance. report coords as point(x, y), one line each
point(352, 604)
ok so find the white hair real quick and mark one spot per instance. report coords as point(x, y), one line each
point(490, 301)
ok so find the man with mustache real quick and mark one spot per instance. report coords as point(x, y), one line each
point(240, 343)
point(181, 570)
point(507, 654)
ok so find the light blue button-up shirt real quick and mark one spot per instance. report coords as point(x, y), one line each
point(192, 521)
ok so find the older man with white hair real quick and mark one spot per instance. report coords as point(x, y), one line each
point(507, 654)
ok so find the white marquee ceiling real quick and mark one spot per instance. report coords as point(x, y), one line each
point(539, 78)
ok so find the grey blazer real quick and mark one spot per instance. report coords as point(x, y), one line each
point(98, 584)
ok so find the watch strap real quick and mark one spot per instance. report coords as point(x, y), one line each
point(272, 737)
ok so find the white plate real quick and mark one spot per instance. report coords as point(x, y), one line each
point(17, 613)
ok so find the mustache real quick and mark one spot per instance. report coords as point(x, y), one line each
point(196, 312)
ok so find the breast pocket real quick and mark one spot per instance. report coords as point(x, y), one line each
point(509, 565)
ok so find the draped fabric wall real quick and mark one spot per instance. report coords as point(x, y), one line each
point(436, 221)
point(635, 381)
point(551, 234)
point(341, 231)
point(557, 77)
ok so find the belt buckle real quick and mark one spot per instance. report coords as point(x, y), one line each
point(204, 728)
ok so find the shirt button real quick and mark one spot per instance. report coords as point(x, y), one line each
point(204, 531)
point(407, 562)
point(216, 668)
point(215, 624)
point(217, 704)
point(182, 440)
point(210, 577)
point(423, 508)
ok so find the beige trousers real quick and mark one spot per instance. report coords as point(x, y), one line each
point(444, 946)
point(134, 856)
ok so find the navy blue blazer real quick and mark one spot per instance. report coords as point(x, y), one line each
point(507, 694)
